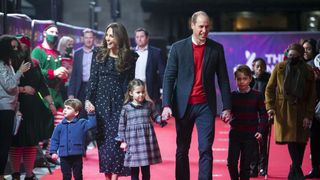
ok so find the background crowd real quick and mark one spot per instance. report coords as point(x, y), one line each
point(35, 84)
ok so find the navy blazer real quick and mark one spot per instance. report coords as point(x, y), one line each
point(76, 75)
point(69, 137)
point(154, 72)
point(179, 76)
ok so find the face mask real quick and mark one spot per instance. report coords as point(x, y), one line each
point(68, 50)
point(293, 60)
point(14, 55)
point(51, 39)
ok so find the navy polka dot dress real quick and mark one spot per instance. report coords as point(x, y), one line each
point(106, 92)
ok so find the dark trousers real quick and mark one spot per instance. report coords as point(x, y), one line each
point(260, 154)
point(315, 143)
point(145, 170)
point(240, 146)
point(201, 115)
point(6, 135)
point(296, 151)
point(71, 165)
point(82, 97)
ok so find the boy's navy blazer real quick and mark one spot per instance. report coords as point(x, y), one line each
point(179, 76)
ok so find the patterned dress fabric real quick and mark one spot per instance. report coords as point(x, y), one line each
point(106, 92)
point(136, 129)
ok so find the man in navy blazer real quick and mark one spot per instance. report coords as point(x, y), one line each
point(81, 69)
point(149, 66)
point(189, 94)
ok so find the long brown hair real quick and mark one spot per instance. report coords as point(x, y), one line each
point(124, 53)
point(132, 84)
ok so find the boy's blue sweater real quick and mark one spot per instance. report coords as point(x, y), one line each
point(69, 137)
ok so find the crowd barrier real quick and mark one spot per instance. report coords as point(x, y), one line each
point(23, 24)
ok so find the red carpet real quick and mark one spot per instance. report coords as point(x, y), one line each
point(278, 168)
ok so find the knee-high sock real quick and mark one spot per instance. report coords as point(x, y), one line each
point(15, 158)
point(58, 117)
point(29, 156)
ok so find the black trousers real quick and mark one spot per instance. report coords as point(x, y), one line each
point(145, 173)
point(71, 165)
point(260, 154)
point(296, 151)
point(315, 143)
point(201, 115)
point(6, 135)
point(240, 146)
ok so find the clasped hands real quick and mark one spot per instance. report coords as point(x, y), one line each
point(61, 73)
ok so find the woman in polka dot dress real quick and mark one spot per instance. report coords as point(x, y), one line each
point(112, 68)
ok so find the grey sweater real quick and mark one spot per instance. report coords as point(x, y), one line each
point(8, 87)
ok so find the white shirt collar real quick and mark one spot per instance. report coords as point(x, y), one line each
point(143, 49)
point(194, 41)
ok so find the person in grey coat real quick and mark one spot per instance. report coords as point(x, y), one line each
point(9, 81)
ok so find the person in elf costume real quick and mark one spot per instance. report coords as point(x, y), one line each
point(54, 74)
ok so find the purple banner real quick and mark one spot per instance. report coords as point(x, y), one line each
point(19, 24)
point(242, 48)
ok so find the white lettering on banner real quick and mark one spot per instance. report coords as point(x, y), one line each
point(271, 59)
point(274, 58)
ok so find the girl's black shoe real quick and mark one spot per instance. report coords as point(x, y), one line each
point(15, 176)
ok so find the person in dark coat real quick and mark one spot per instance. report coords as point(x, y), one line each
point(259, 83)
point(112, 69)
point(149, 66)
point(189, 94)
point(310, 52)
point(37, 118)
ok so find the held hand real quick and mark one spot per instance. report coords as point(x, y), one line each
point(226, 116)
point(54, 156)
point(60, 72)
point(258, 136)
point(89, 106)
point(29, 90)
point(166, 113)
point(306, 123)
point(124, 146)
point(63, 76)
point(24, 67)
point(271, 113)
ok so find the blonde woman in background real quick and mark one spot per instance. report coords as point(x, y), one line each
point(65, 48)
